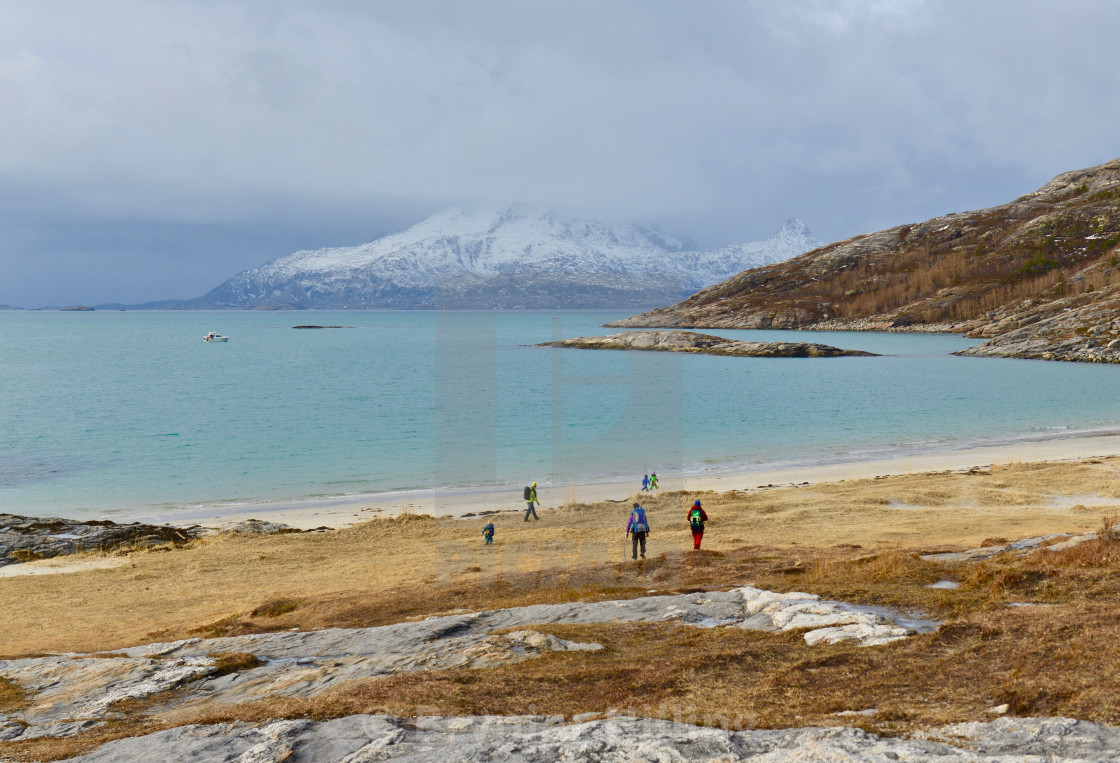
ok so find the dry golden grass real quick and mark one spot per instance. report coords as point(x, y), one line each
point(12, 697)
point(234, 662)
point(1042, 660)
point(176, 593)
point(857, 540)
point(1060, 659)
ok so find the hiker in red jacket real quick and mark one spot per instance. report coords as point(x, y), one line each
point(696, 520)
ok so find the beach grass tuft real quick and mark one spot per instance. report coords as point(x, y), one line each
point(275, 608)
point(12, 696)
point(234, 662)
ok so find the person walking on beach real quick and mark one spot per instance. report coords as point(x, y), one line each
point(531, 499)
point(653, 481)
point(638, 528)
point(488, 533)
point(696, 519)
point(645, 483)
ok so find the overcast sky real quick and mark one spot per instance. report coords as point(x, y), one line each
point(150, 150)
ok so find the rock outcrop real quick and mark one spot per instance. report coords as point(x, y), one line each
point(1058, 542)
point(69, 693)
point(23, 539)
point(546, 739)
point(706, 344)
point(1083, 328)
point(1038, 277)
point(260, 527)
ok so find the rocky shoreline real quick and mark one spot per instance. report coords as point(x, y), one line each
point(27, 539)
point(24, 539)
point(1085, 330)
point(706, 344)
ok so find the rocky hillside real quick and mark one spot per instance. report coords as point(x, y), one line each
point(1038, 277)
point(509, 257)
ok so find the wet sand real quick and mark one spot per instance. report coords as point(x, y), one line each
point(459, 503)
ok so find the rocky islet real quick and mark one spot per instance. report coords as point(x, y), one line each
point(705, 344)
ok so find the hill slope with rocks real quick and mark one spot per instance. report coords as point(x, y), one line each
point(1038, 277)
point(503, 258)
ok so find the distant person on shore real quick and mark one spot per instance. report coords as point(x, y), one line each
point(488, 533)
point(653, 481)
point(638, 528)
point(696, 519)
point(532, 500)
point(645, 483)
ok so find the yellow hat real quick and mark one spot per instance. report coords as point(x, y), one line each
point(534, 484)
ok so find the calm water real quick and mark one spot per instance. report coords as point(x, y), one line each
point(131, 412)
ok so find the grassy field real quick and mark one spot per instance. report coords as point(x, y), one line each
point(858, 541)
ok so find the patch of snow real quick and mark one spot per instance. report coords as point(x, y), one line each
point(947, 584)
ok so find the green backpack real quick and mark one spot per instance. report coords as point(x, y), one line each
point(694, 519)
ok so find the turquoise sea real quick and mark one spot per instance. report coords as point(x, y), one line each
point(131, 413)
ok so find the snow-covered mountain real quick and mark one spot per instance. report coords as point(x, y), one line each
point(509, 257)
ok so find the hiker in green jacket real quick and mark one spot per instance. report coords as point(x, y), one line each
point(532, 500)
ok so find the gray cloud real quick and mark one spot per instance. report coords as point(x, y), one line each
point(163, 146)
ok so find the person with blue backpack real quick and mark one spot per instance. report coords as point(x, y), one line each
point(638, 528)
point(696, 519)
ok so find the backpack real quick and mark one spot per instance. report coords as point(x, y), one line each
point(694, 519)
point(639, 525)
point(528, 492)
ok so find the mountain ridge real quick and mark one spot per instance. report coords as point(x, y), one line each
point(503, 257)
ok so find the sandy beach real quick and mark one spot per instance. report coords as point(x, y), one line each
point(340, 513)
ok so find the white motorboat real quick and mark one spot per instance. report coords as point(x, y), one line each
point(214, 336)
